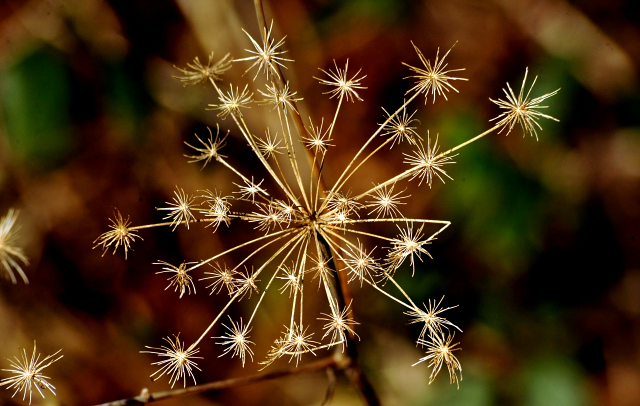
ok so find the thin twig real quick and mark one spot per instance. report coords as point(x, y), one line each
point(323, 363)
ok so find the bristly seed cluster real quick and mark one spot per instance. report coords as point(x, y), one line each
point(27, 374)
point(310, 229)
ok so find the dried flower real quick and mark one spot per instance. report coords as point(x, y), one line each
point(317, 140)
point(249, 190)
point(266, 57)
point(221, 276)
point(398, 128)
point(339, 325)
point(322, 270)
point(211, 148)
point(196, 72)
point(440, 352)
point(343, 85)
point(28, 374)
point(385, 202)
point(10, 254)
point(407, 245)
point(298, 342)
point(237, 340)
point(433, 323)
point(291, 278)
point(181, 279)
point(433, 78)
point(230, 103)
point(427, 162)
point(521, 110)
point(270, 145)
point(120, 234)
point(361, 264)
point(219, 208)
point(178, 363)
point(180, 209)
point(246, 283)
point(284, 97)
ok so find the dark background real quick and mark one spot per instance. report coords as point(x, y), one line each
point(543, 254)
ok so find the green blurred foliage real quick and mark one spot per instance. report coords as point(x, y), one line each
point(554, 380)
point(127, 103)
point(499, 210)
point(36, 94)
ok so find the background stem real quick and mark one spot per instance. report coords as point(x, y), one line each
point(320, 364)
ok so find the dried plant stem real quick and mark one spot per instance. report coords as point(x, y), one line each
point(264, 291)
point(353, 372)
point(281, 234)
point(412, 171)
point(477, 137)
point(331, 362)
point(297, 119)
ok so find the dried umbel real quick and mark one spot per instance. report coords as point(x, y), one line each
point(306, 228)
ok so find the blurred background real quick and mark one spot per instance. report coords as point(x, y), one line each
point(542, 257)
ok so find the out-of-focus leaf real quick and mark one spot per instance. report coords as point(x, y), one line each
point(35, 95)
point(555, 381)
point(500, 210)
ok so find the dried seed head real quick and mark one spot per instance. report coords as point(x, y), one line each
point(521, 110)
point(10, 254)
point(291, 277)
point(211, 148)
point(439, 353)
point(232, 102)
point(385, 202)
point(339, 324)
point(433, 323)
point(340, 206)
point(267, 217)
point(316, 140)
point(120, 234)
point(266, 57)
point(246, 284)
point(283, 98)
point(237, 340)
point(196, 72)
point(433, 78)
point(178, 363)
point(361, 264)
point(219, 208)
point(270, 146)
point(221, 277)
point(298, 342)
point(180, 209)
point(399, 127)
point(181, 279)
point(427, 162)
point(28, 374)
point(322, 270)
point(249, 190)
point(407, 245)
point(344, 87)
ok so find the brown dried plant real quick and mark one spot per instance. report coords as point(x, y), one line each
point(306, 230)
